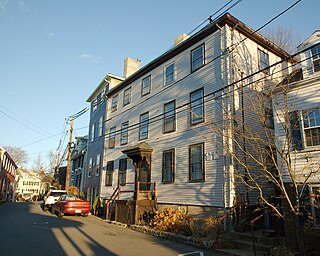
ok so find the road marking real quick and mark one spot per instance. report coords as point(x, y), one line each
point(40, 223)
point(192, 253)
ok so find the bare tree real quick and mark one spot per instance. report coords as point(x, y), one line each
point(282, 37)
point(19, 155)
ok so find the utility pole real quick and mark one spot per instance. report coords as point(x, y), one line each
point(69, 153)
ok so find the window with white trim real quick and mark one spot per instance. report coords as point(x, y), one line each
point(100, 126)
point(92, 133)
point(305, 128)
point(315, 51)
point(98, 165)
point(90, 167)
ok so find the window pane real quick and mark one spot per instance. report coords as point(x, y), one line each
point(122, 171)
point(169, 117)
point(109, 173)
point(143, 127)
point(114, 106)
point(168, 166)
point(124, 133)
point(263, 61)
point(112, 137)
point(127, 97)
point(197, 113)
point(196, 162)
point(169, 74)
point(146, 85)
point(197, 58)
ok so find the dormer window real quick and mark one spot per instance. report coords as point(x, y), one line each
point(315, 51)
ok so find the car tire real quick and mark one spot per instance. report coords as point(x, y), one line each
point(60, 213)
point(85, 214)
point(45, 208)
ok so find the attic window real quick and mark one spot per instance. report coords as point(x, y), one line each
point(316, 58)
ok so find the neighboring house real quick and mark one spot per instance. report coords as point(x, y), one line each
point(28, 184)
point(301, 105)
point(8, 169)
point(95, 148)
point(78, 161)
point(158, 119)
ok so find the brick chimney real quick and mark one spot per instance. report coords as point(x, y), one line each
point(130, 66)
point(179, 39)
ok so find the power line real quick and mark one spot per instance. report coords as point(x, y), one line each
point(182, 107)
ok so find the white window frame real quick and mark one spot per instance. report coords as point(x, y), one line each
point(100, 128)
point(144, 124)
point(127, 96)
point(98, 164)
point(114, 103)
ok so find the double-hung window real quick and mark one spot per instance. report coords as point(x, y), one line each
point(196, 107)
point(98, 165)
point(92, 133)
point(196, 162)
point(197, 58)
point(146, 86)
point(168, 166)
point(144, 126)
point(311, 125)
point(315, 51)
point(114, 104)
point(169, 74)
point(169, 122)
point(109, 173)
point(127, 96)
point(112, 137)
point(90, 167)
point(124, 133)
point(100, 126)
point(305, 128)
point(264, 62)
point(123, 171)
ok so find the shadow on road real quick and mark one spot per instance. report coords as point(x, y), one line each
point(26, 230)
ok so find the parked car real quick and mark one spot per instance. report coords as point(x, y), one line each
point(52, 197)
point(71, 204)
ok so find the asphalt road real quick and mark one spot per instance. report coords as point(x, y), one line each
point(27, 230)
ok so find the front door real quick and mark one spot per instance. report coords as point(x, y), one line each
point(144, 174)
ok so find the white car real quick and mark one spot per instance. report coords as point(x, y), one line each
point(51, 198)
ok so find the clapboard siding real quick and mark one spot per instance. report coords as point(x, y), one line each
point(211, 77)
point(303, 96)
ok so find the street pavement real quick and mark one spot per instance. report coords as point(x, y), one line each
point(27, 230)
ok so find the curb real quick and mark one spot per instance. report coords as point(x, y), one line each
point(205, 244)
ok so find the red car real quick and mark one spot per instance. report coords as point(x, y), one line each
point(71, 204)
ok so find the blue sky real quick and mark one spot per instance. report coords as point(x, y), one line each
point(54, 53)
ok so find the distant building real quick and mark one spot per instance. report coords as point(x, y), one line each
point(78, 162)
point(28, 184)
point(95, 149)
point(298, 100)
point(8, 169)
